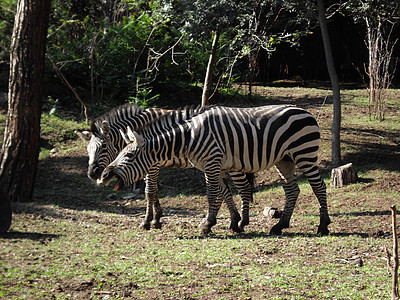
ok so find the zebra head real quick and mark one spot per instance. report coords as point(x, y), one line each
point(100, 149)
point(132, 163)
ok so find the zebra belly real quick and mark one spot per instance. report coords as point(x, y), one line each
point(244, 164)
point(180, 163)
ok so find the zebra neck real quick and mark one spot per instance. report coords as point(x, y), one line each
point(170, 145)
point(137, 121)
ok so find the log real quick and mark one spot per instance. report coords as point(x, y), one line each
point(343, 175)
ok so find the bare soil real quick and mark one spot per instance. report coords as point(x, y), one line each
point(64, 192)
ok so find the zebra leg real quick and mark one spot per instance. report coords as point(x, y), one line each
point(153, 190)
point(226, 194)
point(286, 170)
point(212, 174)
point(153, 207)
point(244, 182)
point(319, 188)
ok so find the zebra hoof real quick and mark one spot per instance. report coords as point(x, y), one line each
point(236, 228)
point(205, 229)
point(275, 230)
point(156, 224)
point(323, 230)
point(206, 225)
point(242, 224)
point(145, 226)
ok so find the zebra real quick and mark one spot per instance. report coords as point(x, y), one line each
point(244, 140)
point(105, 142)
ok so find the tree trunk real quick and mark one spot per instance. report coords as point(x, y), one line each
point(5, 212)
point(336, 153)
point(20, 150)
point(395, 269)
point(372, 67)
point(394, 266)
point(205, 98)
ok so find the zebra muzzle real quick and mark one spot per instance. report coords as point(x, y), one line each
point(116, 186)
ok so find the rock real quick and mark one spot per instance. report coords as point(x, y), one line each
point(111, 197)
point(272, 212)
point(358, 262)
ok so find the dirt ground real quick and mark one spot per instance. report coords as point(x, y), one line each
point(62, 183)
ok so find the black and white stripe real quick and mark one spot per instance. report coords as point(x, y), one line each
point(245, 140)
point(105, 142)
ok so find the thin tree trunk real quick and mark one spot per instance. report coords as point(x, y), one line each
point(336, 153)
point(209, 73)
point(394, 266)
point(395, 271)
point(20, 150)
point(372, 70)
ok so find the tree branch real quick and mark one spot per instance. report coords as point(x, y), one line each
point(61, 75)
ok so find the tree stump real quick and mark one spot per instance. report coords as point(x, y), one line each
point(343, 175)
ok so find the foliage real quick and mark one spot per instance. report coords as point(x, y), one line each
point(388, 10)
point(108, 47)
point(144, 99)
point(246, 28)
point(200, 18)
point(7, 12)
point(107, 53)
point(110, 50)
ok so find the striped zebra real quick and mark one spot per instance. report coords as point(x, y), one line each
point(244, 140)
point(105, 142)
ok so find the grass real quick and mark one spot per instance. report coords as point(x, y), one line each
point(77, 240)
point(298, 266)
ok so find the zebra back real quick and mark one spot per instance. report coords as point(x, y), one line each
point(247, 139)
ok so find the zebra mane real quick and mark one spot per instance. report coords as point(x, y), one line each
point(176, 116)
point(118, 115)
point(115, 115)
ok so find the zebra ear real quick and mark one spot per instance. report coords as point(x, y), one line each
point(83, 134)
point(125, 137)
point(105, 128)
point(134, 137)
